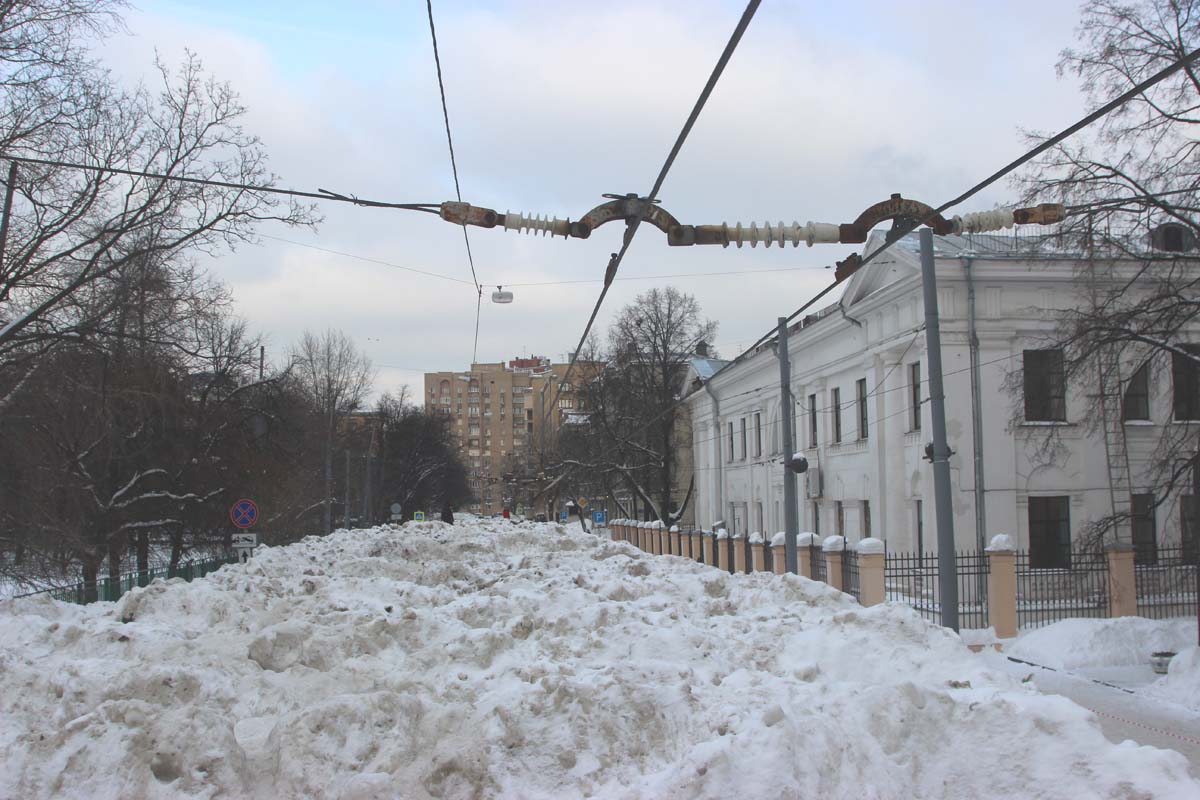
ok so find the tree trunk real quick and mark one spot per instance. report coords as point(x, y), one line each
point(116, 547)
point(176, 548)
point(91, 568)
point(143, 557)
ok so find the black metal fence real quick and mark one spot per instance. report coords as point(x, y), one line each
point(850, 573)
point(820, 573)
point(1049, 595)
point(1167, 588)
point(912, 578)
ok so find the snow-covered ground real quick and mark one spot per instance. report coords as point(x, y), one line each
point(497, 660)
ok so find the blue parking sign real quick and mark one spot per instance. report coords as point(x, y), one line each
point(600, 517)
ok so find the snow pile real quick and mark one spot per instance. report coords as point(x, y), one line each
point(834, 544)
point(524, 660)
point(1088, 643)
point(756, 538)
point(1182, 681)
point(1001, 543)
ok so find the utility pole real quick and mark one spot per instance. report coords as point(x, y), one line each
point(262, 360)
point(791, 521)
point(947, 577)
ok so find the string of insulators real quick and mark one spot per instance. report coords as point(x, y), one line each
point(528, 224)
point(779, 233)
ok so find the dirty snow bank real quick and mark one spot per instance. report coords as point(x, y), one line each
point(500, 660)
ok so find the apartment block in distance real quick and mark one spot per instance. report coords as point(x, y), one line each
point(500, 421)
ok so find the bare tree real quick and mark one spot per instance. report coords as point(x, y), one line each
point(1133, 183)
point(421, 467)
point(633, 431)
point(336, 378)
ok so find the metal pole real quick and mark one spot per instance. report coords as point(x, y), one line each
point(947, 579)
point(346, 508)
point(791, 520)
point(8, 201)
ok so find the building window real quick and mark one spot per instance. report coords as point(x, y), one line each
point(1045, 386)
point(914, 395)
point(743, 428)
point(757, 435)
point(731, 441)
point(1050, 532)
point(837, 415)
point(839, 514)
point(1136, 403)
point(866, 520)
point(1145, 539)
point(812, 420)
point(861, 389)
point(1185, 381)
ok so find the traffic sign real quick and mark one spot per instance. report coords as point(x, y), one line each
point(600, 517)
point(562, 516)
point(396, 509)
point(244, 513)
point(245, 540)
point(419, 516)
point(583, 502)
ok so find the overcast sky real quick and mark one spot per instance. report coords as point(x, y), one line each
point(820, 113)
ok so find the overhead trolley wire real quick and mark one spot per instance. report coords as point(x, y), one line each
point(320, 194)
point(615, 261)
point(437, 60)
point(1015, 164)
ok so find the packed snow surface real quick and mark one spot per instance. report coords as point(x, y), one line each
point(1088, 643)
point(492, 659)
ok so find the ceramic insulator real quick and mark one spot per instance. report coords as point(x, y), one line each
point(779, 233)
point(984, 221)
point(523, 224)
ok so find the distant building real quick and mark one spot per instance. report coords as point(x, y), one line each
point(860, 414)
point(501, 421)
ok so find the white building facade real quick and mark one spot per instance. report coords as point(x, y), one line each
point(859, 379)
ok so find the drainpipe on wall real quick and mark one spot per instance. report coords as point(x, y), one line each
point(720, 462)
point(976, 409)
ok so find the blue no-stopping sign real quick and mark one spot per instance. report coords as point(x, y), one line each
point(244, 513)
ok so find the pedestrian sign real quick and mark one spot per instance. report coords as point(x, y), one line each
point(562, 516)
point(419, 516)
point(244, 513)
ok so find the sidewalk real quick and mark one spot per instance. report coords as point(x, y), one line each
point(1122, 715)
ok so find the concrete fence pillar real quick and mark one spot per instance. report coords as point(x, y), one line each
point(738, 544)
point(710, 549)
point(778, 557)
point(758, 554)
point(722, 546)
point(1122, 581)
point(697, 551)
point(652, 536)
point(1002, 587)
point(833, 560)
point(664, 539)
point(870, 571)
point(804, 556)
point(676, 544)
point(639, 535)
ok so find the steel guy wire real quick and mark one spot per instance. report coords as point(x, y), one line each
point(1020, 161)
point(615, 261)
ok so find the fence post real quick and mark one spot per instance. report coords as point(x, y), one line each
point(870, 571)
point(1002, 586)
point(710, 548)
point(758, 555)
point(676, 546)
point(722, 548)
point(639, 535)
point(779, 553)
point(738, 543)
point(697, 551)
point(1122, 581)
point(804, 562)
point(664, 539)
point(833, 547)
